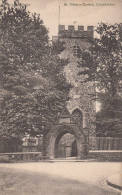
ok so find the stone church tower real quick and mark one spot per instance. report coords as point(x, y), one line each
point(69, 136)
point(81, 93)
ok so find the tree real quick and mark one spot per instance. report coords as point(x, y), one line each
point(34, 89)
point(109, 118)
point(102, 64)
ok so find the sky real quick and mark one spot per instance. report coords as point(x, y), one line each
point(75, 12)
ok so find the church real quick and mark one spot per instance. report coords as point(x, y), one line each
point(68, 138)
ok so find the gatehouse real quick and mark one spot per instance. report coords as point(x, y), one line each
point(66, 139)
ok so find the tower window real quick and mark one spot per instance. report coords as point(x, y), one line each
point(76, 51)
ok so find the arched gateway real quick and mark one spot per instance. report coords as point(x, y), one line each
point(66, 139)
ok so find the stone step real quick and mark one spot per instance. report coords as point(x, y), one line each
point(71, 160)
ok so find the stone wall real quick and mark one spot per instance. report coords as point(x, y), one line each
point(106, 155)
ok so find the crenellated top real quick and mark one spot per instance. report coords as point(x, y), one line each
point(72, 32)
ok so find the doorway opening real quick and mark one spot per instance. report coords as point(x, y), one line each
point(66, 146)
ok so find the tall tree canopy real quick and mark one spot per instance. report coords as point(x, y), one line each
point(102, 64)
point(33, 86)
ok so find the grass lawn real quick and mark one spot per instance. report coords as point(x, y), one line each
point(14, 182)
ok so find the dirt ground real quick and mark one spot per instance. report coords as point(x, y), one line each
point(57, 178)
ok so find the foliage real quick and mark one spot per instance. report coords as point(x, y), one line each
point(109, 118)
point(33, 87)
point(102, 64)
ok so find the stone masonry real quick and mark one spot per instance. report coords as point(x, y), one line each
point(75, 39)
point(79, 115)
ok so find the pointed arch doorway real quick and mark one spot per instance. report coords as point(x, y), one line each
point(66, 146)
point(66, 138)
point(65, 141)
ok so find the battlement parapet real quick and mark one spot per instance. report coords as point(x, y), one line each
point(72, 32)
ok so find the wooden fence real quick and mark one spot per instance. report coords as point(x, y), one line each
point(105, 143)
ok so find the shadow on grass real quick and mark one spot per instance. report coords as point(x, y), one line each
point(13, 182)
